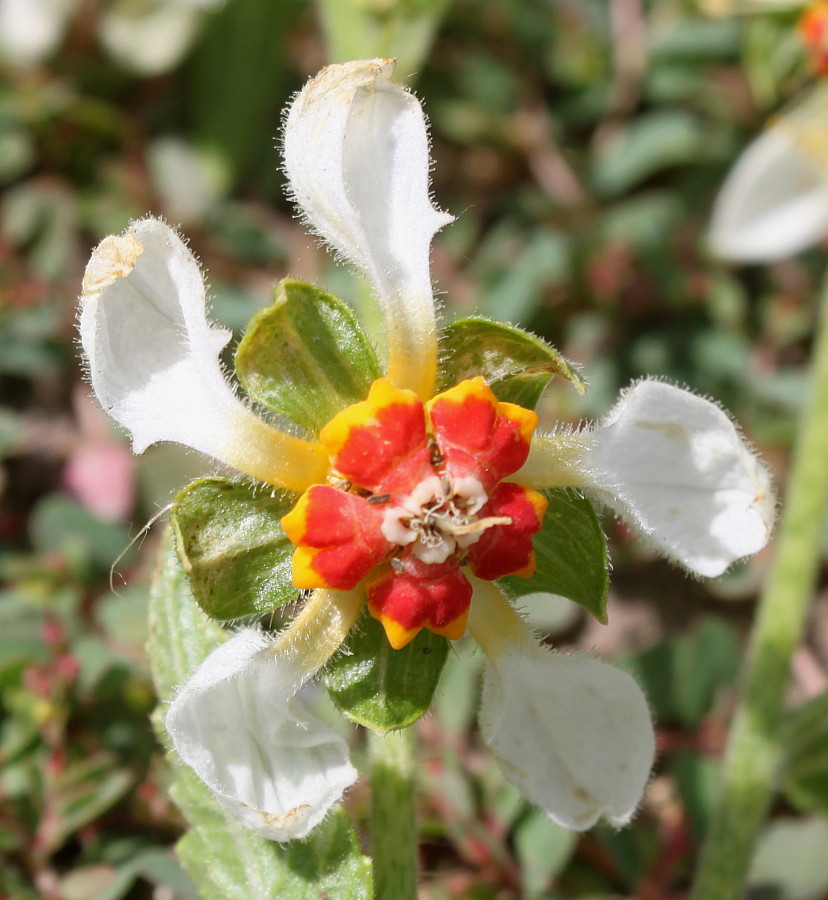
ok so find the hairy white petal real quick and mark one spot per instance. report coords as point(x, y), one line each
point(154, 357)
point(238, 723)
point(775, 200)
point(675, 466)
point(357, 161)
point(571, 732)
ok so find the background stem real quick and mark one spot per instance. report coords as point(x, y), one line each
point(353, 30)
point(755, 747)
point(393, 827)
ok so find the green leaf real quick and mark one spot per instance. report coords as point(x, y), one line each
point(83, 793)
point(225, 859)
point(517, 365)
point(543, 848)
point(327, 864)
point(232, 546)
point(648, 144)
point(683, 676)
point(180, 634)
point(87, 543)
point(571, 553)
point(239, 80)
point(382, 688)
point(698, 779)
point(306, 356)
point(805, 774)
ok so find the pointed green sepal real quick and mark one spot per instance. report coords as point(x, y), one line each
point(517, 365)
point(382, 688)
point(571, 554)
point(232, 546)
point(306, 357)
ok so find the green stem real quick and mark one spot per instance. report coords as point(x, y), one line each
point(755, 747)
point(393, 826)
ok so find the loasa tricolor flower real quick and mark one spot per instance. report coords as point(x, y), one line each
point(412, 487)
point(421, 492)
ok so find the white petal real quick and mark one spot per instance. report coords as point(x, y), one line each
point(774, 202)
point(675, 466)
point(356, 157)
point(238, 723)
point(154, 355)
point(572, 733)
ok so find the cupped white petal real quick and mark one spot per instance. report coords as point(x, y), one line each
point(268, 761)
point(571, 732)
point(356, 157)
point(154, 359)
point(774, 202)
point(674, 465)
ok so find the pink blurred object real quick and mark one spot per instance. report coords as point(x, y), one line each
point(100, 471)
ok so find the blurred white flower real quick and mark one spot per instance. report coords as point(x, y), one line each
point(151, 37)
point(30, 30)
point(148, 37)
point(774, 202)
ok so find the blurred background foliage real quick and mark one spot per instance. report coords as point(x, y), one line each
point(580, 144)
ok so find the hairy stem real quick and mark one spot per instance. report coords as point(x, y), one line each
point(393, 827)
point(755, 746)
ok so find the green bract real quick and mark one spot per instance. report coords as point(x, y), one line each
point(380, 687)
point(571, 555)
point(517, 365)
point(232, 546)
point(305, 357)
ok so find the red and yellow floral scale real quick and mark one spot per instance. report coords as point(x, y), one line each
point(813, 31)
point(415, 494)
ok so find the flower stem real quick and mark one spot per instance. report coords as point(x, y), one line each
point(393, 827)
point(755, 746)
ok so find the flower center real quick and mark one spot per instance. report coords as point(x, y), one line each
point(439, 517)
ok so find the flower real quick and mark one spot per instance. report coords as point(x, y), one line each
point(30, 29)
point(774, 201)
point(813, 31)
point(147, 37)
point(421, 503)
point(418, 498)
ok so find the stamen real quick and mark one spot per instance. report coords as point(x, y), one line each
point(480, 525)
point(441, 519)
